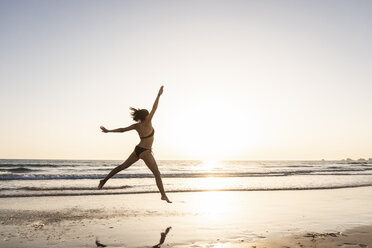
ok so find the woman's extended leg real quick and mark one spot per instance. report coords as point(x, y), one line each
point(130, 160)
point(151, 164)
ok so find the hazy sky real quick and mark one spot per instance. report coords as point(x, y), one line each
point(243, 79)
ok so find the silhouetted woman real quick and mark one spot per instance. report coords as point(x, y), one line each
point(143, 149)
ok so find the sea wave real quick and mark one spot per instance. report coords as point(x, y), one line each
point(108, 192)
point(78, 163)
point(31, 165)
point(66, 188)
point(19, 170)
point(26, 176)
point(54, 165)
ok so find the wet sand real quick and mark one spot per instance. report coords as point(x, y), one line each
point(310, 218)
point(355, 237)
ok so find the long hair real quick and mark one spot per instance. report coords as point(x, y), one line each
point(139, 114)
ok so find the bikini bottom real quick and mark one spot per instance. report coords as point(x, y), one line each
point(138, 150)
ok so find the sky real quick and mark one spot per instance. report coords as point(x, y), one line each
point(244, 80)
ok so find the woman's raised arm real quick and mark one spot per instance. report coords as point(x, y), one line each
point(155, 106)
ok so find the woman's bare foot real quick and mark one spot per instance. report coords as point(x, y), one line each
point(165, 198)
point(101, 183)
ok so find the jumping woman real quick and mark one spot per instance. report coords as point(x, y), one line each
point(143, 149)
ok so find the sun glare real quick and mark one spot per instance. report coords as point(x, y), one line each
point(213, 206)
point(210, 165)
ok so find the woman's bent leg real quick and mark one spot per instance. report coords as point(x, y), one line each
point(151, 164)
point(130, 160)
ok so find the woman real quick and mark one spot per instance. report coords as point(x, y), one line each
point(143, 149)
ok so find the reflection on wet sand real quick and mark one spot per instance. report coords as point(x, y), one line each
point(163, 235)
point(98, 244)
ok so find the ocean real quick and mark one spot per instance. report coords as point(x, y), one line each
point(31, 178)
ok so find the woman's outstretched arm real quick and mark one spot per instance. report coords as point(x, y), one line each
point(118, 130)
point(155, 106)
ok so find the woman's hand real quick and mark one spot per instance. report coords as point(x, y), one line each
point(161, 90)
point(104, 129)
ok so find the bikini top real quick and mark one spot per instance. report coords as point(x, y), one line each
point(150, 135)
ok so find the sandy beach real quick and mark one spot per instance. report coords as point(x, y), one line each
point(355, 237)
point(307, 218)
